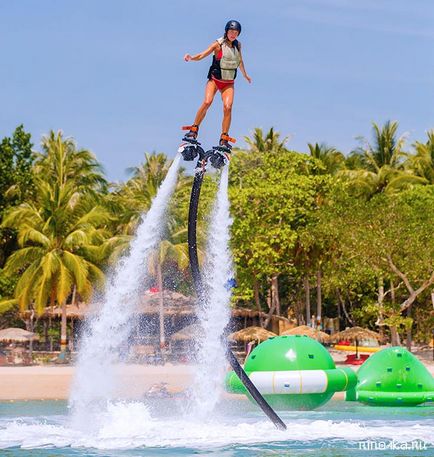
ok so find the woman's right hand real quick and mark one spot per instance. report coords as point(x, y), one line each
point(187, 57)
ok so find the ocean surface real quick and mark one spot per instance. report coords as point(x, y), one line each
point(164, 427)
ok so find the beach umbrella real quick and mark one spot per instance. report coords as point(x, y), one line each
point(17, 335)
point(322, 337)
point(251, 334)
point(190, 332)
point(355, 334)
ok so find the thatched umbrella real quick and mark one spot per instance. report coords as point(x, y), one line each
point(17, 335)
point(355, 334)
point(190, 332)
point(322, 337)
point(251, 334)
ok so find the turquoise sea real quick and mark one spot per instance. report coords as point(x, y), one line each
point(161, 427)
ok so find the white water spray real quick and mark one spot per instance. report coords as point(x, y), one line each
point(214, 314)
point(102, 346)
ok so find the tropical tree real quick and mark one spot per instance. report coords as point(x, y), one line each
point(386, 149)
point(16, 182)
point(58, 248)
point(62, 162)
point(422, 162)
point(348, 280)
point(269, 143)
point(396, 249)
point(311, 251)
point(270, 204)
point(16, 159)
point(330, 157)
point(60, 231)
point(381, 163)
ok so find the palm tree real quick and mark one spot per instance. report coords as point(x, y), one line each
point(148, 177)
point(59, 247)
point(61, 230)
point(381, 167)
point(270, 143)
point(387, 149)
point(422, 163)
point(252, 157)
point(63, 162)
point(330, 157)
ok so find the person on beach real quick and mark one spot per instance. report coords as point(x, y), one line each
point(227, 58)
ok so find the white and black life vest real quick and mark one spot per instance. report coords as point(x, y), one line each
point(224, 65)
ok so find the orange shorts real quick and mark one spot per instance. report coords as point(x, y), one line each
point(222, 84)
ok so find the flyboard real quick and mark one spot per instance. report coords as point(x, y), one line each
point(218, 156)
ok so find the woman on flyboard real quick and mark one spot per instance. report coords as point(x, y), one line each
point(227, 58)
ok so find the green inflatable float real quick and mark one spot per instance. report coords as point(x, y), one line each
point(393, 377)
point(293, 373)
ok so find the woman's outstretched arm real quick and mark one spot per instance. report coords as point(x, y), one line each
point(203, 54)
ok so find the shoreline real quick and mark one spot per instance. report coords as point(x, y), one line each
point(44, 382)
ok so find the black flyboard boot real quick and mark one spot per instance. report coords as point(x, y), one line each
point(189, 145)
point(221, 153)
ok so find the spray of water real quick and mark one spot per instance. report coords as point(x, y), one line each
point(214, 313)
point(108, 331)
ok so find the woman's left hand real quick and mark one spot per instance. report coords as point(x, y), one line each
point(249, 79)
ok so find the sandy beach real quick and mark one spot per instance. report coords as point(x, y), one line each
point(54, 382)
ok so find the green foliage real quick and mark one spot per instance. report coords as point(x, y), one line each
point(397, 321)
point(364, 221)
point(16, 181)
point(271, 202)
point(399, 230)
point(16, 159)
point(268, 143)
point(7, 286)
point(422, 162)
point(366, 314)
point(62, 162)
point(331, 158)
point(60, 230)
point(377, 167)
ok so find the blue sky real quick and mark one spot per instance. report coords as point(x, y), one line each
point(111, 73)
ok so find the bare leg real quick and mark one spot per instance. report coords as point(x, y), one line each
point(210, 91)
point(228, 99)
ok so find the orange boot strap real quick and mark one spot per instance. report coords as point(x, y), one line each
point(193, 128)
point(228, 138)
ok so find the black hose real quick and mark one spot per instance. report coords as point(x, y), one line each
point(192, 237)
point(197, 280)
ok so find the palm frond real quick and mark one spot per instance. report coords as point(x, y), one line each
point(28, 234)
point(22, 214)
point(22, 258)
point(77, 267)
point(26, 284)
point(42, 290)
point(75, 239)
point(50, 264)
point(7, 304)
point(63, 284)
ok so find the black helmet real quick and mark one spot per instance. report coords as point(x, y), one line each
point(233, 25)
